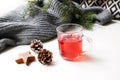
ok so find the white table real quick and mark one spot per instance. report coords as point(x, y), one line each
point(103, 65)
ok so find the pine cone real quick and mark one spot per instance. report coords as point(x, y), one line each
point(36, 46)
point(45, 57)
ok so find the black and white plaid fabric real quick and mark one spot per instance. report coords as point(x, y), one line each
point(112, 5)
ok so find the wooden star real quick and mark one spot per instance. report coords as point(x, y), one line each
point(25, 58)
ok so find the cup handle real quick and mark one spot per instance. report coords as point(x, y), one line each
point(83, 56)
point(87, 44)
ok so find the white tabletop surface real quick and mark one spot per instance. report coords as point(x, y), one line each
point(104, 62)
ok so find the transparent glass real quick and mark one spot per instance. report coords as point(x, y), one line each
point(70, 40)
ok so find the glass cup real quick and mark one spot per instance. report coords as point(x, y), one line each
point(71, 41)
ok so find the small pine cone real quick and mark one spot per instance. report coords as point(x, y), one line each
point(45, 57)
point(36, 45)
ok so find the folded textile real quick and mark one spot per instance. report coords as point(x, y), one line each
point(17, 31)
point(102, 16)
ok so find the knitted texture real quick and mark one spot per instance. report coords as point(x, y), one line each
point(15, 30)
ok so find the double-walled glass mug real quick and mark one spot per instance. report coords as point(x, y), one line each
point(70, 40)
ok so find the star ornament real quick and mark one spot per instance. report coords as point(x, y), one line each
point(25, 58)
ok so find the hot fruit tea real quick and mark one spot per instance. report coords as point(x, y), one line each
point(70, 45)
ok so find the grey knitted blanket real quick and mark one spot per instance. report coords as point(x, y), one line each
point(17, 31)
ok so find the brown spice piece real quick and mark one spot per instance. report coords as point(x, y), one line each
point(25, 58)
point(45, 57)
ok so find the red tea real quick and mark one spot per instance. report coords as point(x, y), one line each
point(70, 46)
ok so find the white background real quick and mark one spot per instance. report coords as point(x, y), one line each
point(104, 63)
point(8, 5)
